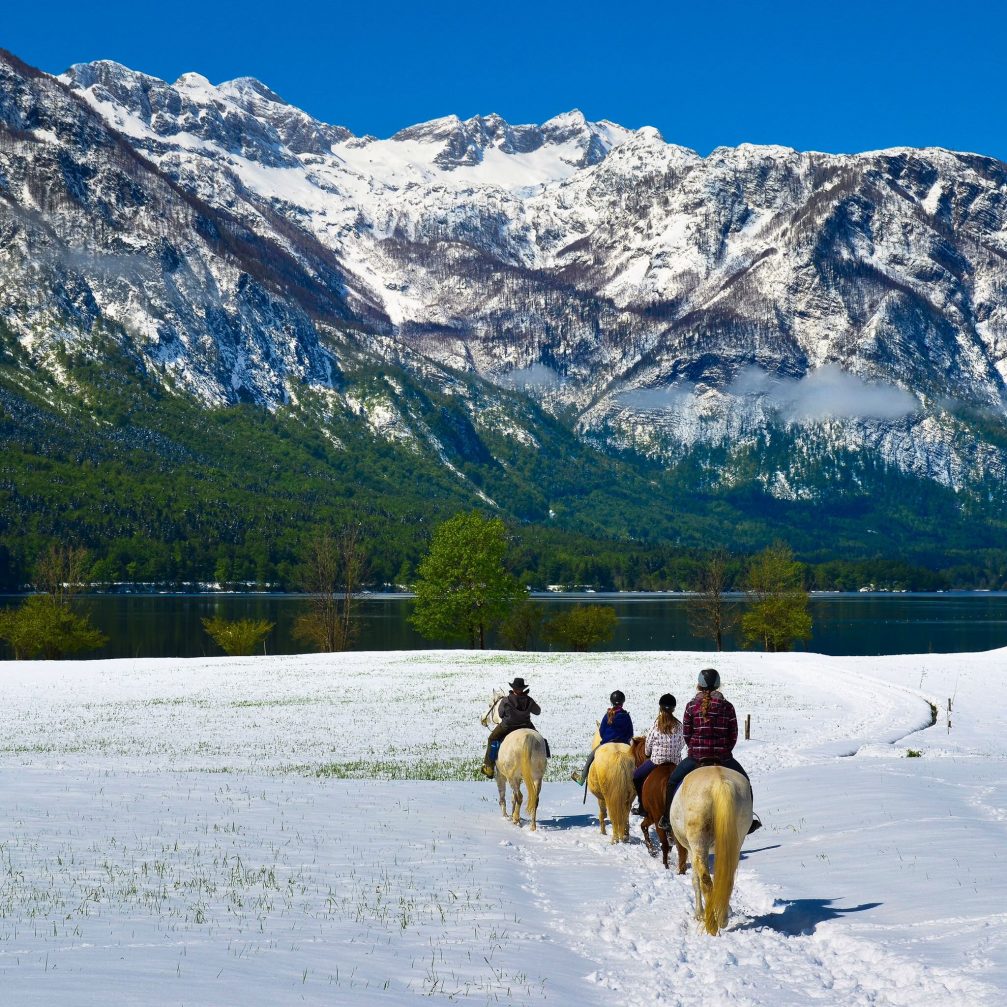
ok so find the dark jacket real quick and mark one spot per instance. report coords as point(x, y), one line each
point(516, 710)
point(621, 728)
point(712, 736)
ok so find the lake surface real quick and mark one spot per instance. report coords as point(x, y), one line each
point(169, 625)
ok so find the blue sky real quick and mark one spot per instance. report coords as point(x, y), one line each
point(840, 76)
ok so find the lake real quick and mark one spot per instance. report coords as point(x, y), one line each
point(844, 624)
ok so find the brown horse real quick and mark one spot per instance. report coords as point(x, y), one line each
point(653, 805)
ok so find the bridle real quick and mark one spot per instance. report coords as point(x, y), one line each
point(487, 717)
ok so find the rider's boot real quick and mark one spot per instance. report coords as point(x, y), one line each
point(756, 824)
point(638, 810)
point(487, 770)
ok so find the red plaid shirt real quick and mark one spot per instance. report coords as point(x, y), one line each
point(712, 736)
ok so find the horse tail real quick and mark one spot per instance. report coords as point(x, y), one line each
point(726, 852)
point(619, 791)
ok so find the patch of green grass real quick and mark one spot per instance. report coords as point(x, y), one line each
point(457, 769)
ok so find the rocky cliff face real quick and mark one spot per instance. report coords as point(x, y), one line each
point(654, 299)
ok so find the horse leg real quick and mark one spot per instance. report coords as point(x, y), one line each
point(502, 791)
point(601, 814)
point(682, 856)
point(518, 798)
point(533, 792)
point(663, 836)
point(620, 828)
point(701, 883)
point(645, 829)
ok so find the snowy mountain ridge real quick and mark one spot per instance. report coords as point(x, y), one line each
point(654, 298)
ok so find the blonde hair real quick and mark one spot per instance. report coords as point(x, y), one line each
point(666, 722)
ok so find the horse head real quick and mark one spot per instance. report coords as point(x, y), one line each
point(491, 717)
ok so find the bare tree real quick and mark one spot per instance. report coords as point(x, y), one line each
point(61, 572)
point(332, 571)
point(711, 614)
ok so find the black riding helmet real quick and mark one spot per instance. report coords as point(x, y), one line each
point(709, 678)
point(667, 703)
point(617, 698)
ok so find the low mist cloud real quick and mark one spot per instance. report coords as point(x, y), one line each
point(826, 393)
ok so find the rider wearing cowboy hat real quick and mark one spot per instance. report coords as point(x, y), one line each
point(515, 711)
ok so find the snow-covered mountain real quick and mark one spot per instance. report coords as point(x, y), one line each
point(652, 298)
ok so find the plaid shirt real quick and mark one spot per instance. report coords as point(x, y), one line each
point(714, 736)
point(661, 748)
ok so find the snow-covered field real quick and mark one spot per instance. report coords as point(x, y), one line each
point(310, 829)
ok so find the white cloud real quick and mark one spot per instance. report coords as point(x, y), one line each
point(828, 392)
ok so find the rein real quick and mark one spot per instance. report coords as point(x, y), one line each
point(491, 712)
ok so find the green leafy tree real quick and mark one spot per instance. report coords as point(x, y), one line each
point(462, 587)
point(238, 637)
point(583, 627)
point(778, 614)
point(43, 627)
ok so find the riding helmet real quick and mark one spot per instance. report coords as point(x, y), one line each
point(617, 698)
point(667, 703)
point(709, 678)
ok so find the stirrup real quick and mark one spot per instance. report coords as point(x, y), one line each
point(755, 826)
point(575, 776)
point(664, 824)
point(488, 771)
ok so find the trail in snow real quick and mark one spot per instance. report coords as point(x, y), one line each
point(877, 879)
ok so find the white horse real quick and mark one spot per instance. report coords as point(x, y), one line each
point(610, 779)
point(712, 810)
point(521, 758)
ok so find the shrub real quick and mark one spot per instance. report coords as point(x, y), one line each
point(237, 637)
point(582, 627)
point(42, 627)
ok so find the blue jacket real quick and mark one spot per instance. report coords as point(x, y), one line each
point(621, 728)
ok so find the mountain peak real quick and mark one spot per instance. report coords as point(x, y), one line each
point(192, 82)
point(251, 85)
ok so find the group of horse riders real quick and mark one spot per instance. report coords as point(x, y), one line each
point(708, 729)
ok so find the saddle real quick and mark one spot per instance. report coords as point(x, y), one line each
point(709, 762)
point(495, 748)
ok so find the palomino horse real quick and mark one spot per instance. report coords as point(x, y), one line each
point(712, 810)
point(654, 788)
point(610, 779)
point(521, 758)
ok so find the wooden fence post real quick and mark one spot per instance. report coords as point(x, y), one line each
point(748, 726)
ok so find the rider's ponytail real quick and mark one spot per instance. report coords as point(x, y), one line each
point(666, 722)
point(704, 707)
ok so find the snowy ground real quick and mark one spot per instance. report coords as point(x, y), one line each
point(286, 830)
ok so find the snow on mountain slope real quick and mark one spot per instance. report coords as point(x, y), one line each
point(667, 299)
